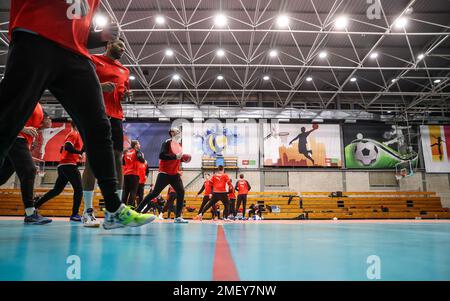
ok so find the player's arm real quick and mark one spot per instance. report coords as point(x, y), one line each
point(236, 187)
point(201, 190)
point(248, 185)
point(211, 184)
point(230, 185)
point(108, 87)
point(128, 95)
point(29, 130)
point(140, 156)
point(147, 170)
point(68, 146)
point(165, 154)
point(294, 139)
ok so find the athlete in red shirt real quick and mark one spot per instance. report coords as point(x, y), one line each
point(48, 50)
point(114, 80)
point(206, 190)
point(221, 186)
point(232, 198)
point(242, 187)
point(143, 171)
point(156, 205)
point(131, 159)
point(71, 153)
point(171, 197)
point(169, 173)
point(19, 160)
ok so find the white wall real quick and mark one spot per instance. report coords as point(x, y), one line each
point(315, 181)
point(440, 184)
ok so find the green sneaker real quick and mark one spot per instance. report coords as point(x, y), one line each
point(126, 217)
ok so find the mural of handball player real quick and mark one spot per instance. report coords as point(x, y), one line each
point(303, 141)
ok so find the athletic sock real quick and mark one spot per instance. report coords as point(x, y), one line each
point(88, 197)
point(29, 211)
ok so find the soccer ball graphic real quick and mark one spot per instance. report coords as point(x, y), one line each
point(366, 152)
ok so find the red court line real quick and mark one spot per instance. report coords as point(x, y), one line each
point(224, 268)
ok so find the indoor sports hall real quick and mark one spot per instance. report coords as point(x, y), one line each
point(200, 140)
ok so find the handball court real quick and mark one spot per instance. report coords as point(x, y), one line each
point(242, 250)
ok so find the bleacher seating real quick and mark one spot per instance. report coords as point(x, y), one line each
point(308, 205)
point(208, 163)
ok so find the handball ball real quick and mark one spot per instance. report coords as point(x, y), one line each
point(186, 158)
point(335, 218)
point(315, 126)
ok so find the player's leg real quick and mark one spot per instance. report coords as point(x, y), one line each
point(134, 184)
point(168, 207)
point(162, 181)
point(238, 203)
point(117, 138)
point(160, 210)
point(140, 194)
point(60, 184)
point(126, 189)
point(88, 181)
point(309, 158)
point(29, 67)
point(73, 175)
point(244, 205)
point(6, 171)
point(212, 202)
point(226, 206)
point(25, 168)
point(177, 184)
point(78, 89)
point(233, 207)
point(205, 201)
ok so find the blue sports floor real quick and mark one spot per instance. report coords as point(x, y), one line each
point(259, 250)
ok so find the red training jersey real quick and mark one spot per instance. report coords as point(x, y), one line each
point(220, 182)
point(131, 162)
point(172, 166)
point(54, 20)
point(243, 187)
point(109, 70)
point(232, 194)
point(35, 121)
point(142, 171)
point(208, 187)
point(68, 158)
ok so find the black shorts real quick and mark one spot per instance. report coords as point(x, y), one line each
point(117, 133)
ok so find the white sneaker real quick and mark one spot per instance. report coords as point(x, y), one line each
point(180, 220)
point(89, 219)
point(160, 217)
